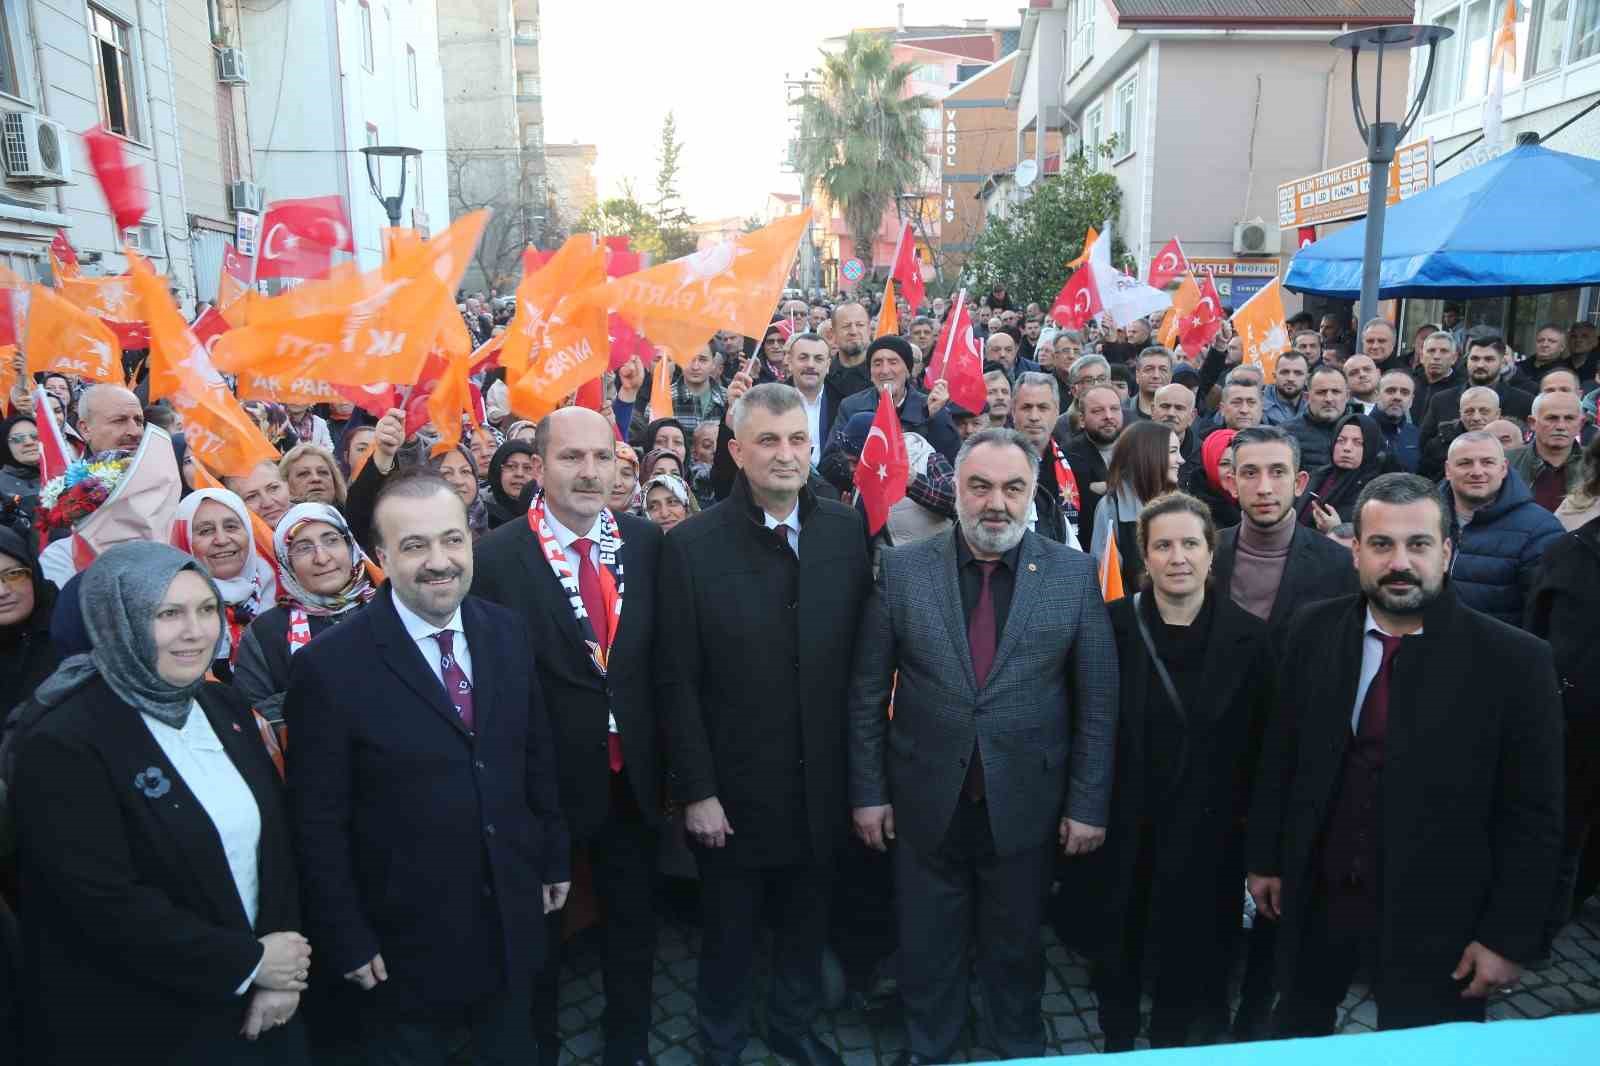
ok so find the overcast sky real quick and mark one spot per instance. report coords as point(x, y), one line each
point(719, 65)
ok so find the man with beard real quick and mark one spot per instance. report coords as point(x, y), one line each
point(888, 361)
point(1362, 376)
point(1582, 340)
point(1035, 408)
point(1498, 531)
point(1079, 375)
point(1486, 355)
point(1426, 855)
point(1380, 343)
point(1401, 438)
point(1327, 403)
point(998, 651)
point(1285, 399)
point(1089, 452)
point(849, 373)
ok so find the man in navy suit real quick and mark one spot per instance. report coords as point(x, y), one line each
point(423, 798)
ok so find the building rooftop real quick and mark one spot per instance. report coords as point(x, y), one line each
point(1321, 12)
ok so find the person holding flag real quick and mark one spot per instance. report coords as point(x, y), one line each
point(889, 362)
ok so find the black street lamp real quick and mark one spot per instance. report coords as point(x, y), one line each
point(1383, 137)
point(376, 154)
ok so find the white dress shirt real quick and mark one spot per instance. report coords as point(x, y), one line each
point(814, 425)
point(792, 523)
point(1371, 659)
point(422, 631)
point(565, 537)
point(204, 766)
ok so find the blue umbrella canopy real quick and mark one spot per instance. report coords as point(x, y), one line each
point(1527, 221)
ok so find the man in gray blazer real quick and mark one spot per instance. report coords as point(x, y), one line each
point(1000, 746)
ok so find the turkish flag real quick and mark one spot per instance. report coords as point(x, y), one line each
point(956, 360)
point(884, 468)
point(1078, 301)
point(1168, 264)
point(377, 400)
point(209, 326)
point(1197, 327)
point(55, 454)
point(908, 269)
point(299, 237)
point(119, 180)
point(63, 257)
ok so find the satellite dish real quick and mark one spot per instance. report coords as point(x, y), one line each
point(1026, 172)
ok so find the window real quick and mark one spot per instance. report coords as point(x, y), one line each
point(527, 84)
point(527, 29)
point(113, 57)
point(141, 238)
point(1126, 103)
point(10, 74)
point(1585, 30)
point(532, 135)
point(366, 35)
point(1442, 92)
point(928, 72)
point(411, 76)
point(372, 135)
point(1475, 44)
point(1080, 34)
point(1562, 31)
point(1092, 132)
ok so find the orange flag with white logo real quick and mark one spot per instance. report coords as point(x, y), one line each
point(61, 337)
point(729, 286)
point(450, 400)
point(361, 329)
point(1089, 237)
point(1263, 328)
point(579, 264)
point(220, 434)
point(1184, 301)
point(1111, 571)
point(111, 297)
point(888, 314)
point(576, 351)
point(661, 389)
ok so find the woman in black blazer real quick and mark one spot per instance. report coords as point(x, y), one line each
point(1188, 729)
point(159, 898)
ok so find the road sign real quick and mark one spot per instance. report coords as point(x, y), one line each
point(1340, 193)
point(852, 270)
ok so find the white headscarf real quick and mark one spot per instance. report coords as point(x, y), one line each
point(255, 588)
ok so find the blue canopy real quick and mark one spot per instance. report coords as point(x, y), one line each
point(1527, 221)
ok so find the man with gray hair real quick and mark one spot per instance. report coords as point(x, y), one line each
point(755, 739)
point(110, 418)
point(1437, 371)
point(1479, 406)
point(1035, 409)
point(998, 650)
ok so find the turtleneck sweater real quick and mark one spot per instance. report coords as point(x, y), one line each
point(1258, 565)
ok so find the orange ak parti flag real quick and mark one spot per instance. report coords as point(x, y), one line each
point(1184, 301)
point(888, 314)
point(450, 399)
point(111, 297)
point(61, 337)
point(1111, 571)
point(220, 434)
point(560, 342)
point(361, 329)
point(729, 286)
point(579, 264)
point(1089, 238)
point(1263, 328)
point(661, 389)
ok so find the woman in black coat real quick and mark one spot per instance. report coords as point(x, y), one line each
point(1332, 490)
point(27, 655)
point(158, 879)
point(19, 461)
point(1172, 868)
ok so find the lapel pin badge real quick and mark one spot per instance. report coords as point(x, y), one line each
point(1033, 567)
point(152, 782)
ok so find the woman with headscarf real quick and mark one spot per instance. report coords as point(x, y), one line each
point(460, 469)
point(668, 501)
point(510, 471)
point(213, 526)
point(186, 461)
point(19, 461)
point(274, 422)
point(662, 461)
point(667, 433)
point(625, 495)
point(157, 870)
point(1357, 458)
point(27, 655)
point(324, 577)
point(1214, 487)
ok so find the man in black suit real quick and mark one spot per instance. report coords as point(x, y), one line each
point(583, 580)
point(1407, 815)
point(1486, 354)
point(1089, 453)
point(759, 599)
point(423, 797)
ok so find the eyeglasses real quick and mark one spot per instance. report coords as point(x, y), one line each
point(328, 543)
point(16, 578)
point(23, 438)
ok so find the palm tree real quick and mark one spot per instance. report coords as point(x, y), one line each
point(861, 138)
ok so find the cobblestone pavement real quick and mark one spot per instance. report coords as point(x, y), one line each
point(1569, 983)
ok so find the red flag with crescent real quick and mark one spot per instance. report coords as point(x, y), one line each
point(1078, 301)
point(298, 237)
point(957, 361)
point(1199, 326)
point(885, 467)
point(1169, 264)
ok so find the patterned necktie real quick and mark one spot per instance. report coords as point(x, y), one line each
point(1374, 721)
point(456, 686)
point(594, 605)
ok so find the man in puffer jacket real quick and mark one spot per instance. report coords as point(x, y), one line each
point(1501, 533)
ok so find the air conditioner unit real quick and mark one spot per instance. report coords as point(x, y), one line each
point(245, 196)
point(36, 149)
point(231, 68)
point(1256, 238)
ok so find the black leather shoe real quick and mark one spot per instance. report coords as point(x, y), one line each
point(806, 1049)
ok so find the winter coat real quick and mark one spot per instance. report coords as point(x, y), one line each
point(1497, 553)
point(1562, 610)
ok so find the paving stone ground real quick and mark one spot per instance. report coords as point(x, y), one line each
point(1570, 983)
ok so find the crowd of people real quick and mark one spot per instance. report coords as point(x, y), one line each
point(325, 761)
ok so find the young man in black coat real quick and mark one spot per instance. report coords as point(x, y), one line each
point(423, 797)
point(1407, 813)
point(759, 598)
point(602, 706)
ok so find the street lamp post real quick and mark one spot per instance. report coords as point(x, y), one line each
point(376, 154)
point(1383, 137)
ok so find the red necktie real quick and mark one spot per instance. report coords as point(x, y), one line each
point(1374, 722)
point(457, 689)
point(981, 639)
point(594, 605)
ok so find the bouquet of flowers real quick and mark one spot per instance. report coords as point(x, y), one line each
point(75, 495)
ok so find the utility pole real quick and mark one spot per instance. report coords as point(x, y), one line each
point(794, 90)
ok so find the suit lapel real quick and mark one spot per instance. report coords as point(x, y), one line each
point(1026, 584)
point(950, 607)
point(402, 656)
point(1222, 675)
point(551, 594)
point(1288, 597)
